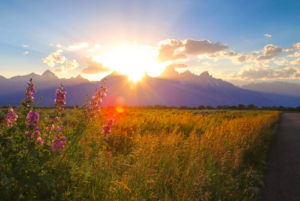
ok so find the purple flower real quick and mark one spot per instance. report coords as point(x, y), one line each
point(11, 118)
point(32, 125)
point(29, 94)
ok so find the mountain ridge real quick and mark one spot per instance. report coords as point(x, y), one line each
point(170, 88)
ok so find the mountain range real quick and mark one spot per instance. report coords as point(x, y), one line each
point(170, 88)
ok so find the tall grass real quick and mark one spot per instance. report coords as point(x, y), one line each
point(169, 155)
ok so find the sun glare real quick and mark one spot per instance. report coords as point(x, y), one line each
point(133, 61)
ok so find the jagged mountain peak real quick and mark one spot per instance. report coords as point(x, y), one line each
point(50, 75)
point(205, 74)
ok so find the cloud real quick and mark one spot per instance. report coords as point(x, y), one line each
point(70, 65)
point(236, 58)
point(179, 65)
point(174, 50)
point(295, 62)
point(169, 50)
point(25, 46)
point(94, 67)
point(200, 47)
point(203, 68)
point(54, 57)
point(281, 63)
point(77, 46)
point(296, 54)
point(269, 52)
point(60, 70)
point(268, 35)
point(296, 46)
point(257, 72)
point(97, 46)
point(25, 53)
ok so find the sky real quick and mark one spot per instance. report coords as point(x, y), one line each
point(238, 41)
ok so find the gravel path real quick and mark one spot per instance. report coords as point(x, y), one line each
point(283, 180)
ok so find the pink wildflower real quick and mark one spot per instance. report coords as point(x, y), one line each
point(29, 94)
point(110, 122)
point(95, 103)
point(32, 125)
point(39, 141)
point(60, 100)
point(58, 143)
point(11, 118)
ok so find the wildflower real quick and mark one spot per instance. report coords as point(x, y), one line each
point(29, 94)
point(106, 129)
point(95, 103)
point(32, 125)
point(11, 118)
point(39, 141)
point(58, 143)
point(110, 122)
point(60, 101)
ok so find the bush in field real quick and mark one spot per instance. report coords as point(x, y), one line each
point(32, 149)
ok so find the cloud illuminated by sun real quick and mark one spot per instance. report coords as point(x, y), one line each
point(133, 61)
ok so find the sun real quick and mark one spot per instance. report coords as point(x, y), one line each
point(133, 61)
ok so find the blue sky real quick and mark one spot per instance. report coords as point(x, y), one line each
point(239, 24)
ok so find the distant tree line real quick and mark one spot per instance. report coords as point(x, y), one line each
point(200, 107)
point(219, 107)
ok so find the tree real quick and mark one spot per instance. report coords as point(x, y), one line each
point(251, 107)
point(241, 107)
point(201, 107)
point(209, 107)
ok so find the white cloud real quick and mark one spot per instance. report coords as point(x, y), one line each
point(296, 54)
point(25, 53)
point(97, 46)
point(25, 46)
point(77, 46)
point(94, 67)
point(200, 47)
point(268, 35)
point(60, 70)
point(70, 65)
point(258, 72)
point(296, 46)
point(54, 57)
point(236, 58)
point(174, 50)
point(295, 62)
point(179, 65)
point(169, 50)
point(282, 62)
point(269, 52)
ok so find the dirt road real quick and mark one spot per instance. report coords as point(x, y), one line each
point(283, 180)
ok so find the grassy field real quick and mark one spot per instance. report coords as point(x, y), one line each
point(159, 155)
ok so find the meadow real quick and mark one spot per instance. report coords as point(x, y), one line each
point(107, 153)
point(150, 155)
